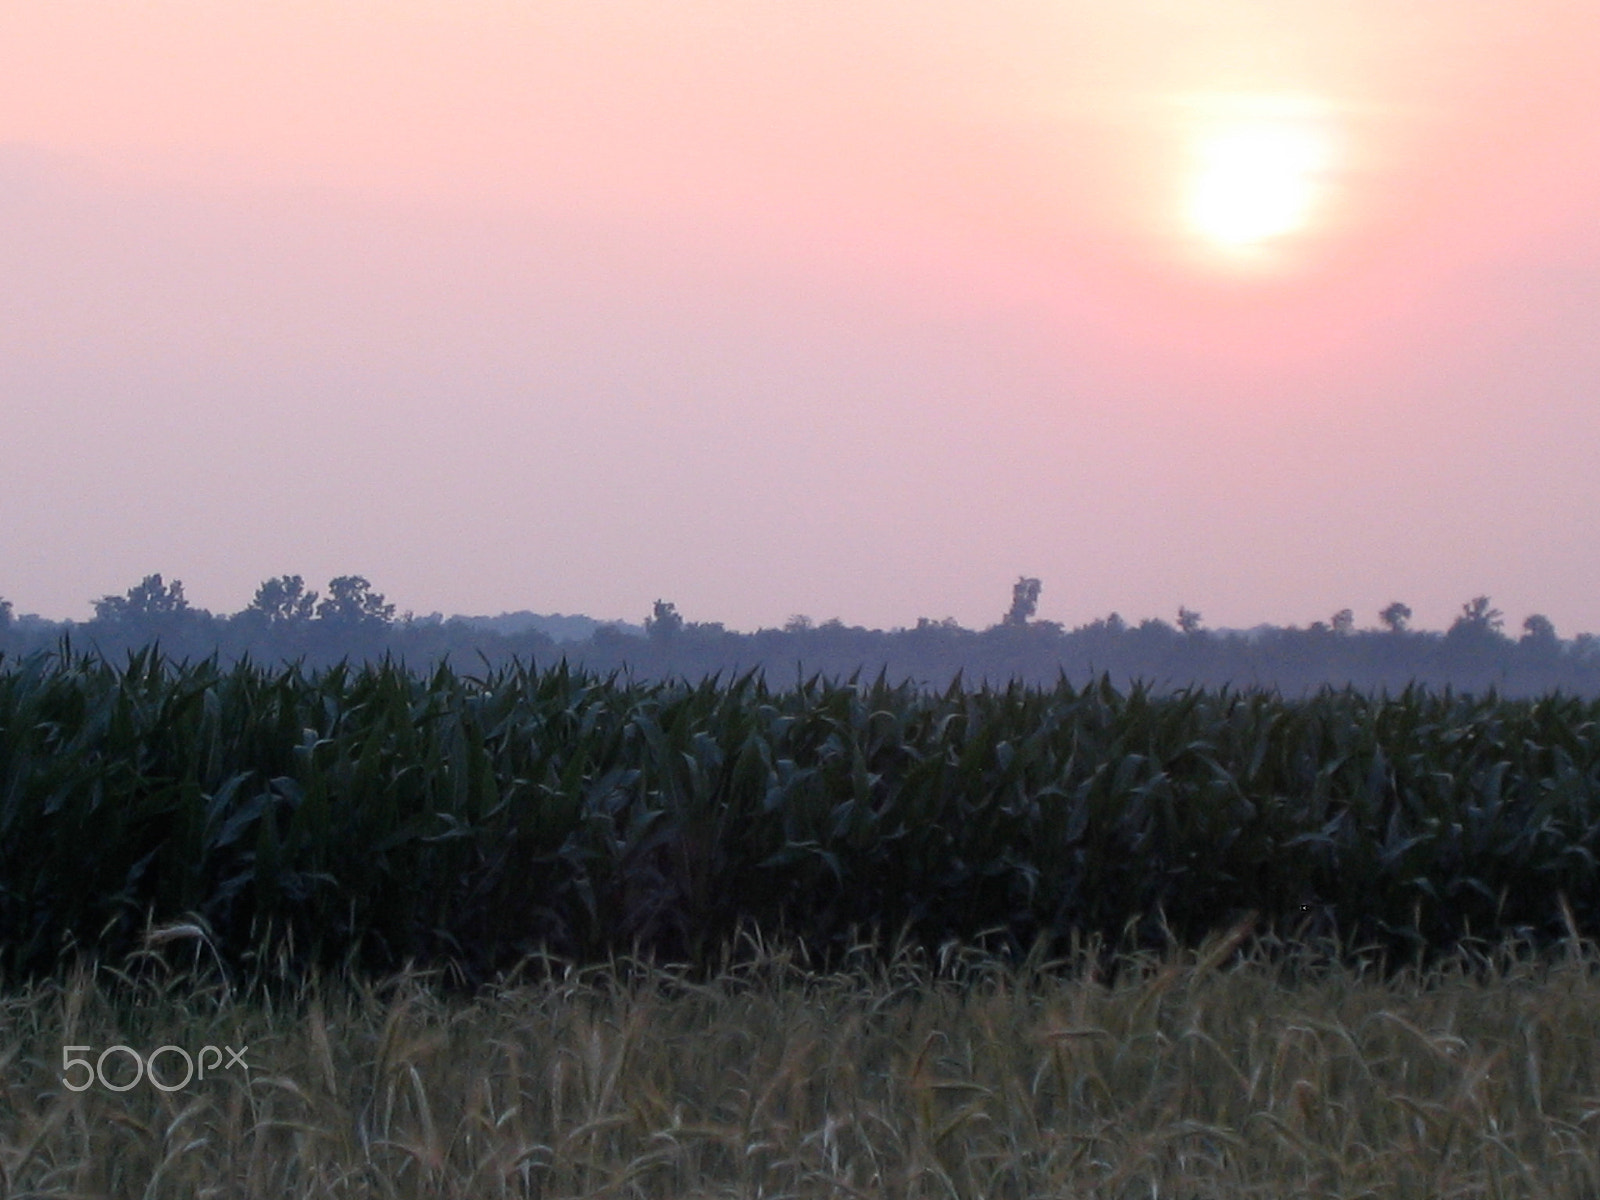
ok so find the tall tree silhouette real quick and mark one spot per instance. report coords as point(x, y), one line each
point(352, 604)
point(150, 597)
point(1024, 601)
point(664, 622)
point(1396, 617)
point(1478, 615)
point(283, 600)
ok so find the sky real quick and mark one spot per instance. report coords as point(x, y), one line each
point(850, 308)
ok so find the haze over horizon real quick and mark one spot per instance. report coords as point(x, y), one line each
point(854, 310)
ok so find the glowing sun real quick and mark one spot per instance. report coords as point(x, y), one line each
point(1255, 181)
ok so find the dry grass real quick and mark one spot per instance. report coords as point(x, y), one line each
point(1197, 1075)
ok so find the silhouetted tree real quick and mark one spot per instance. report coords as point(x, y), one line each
point(1396, 617)
point(283, 600)
point(1189, 621)
point(1024, 601)
point(5, 614)
point(1477, 628)
point(1539, 630)
point(351, 603)
point(151, 597)
point(1344, 622)
point(1479, 616)
point(664, 622)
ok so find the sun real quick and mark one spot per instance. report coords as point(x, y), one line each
point(1255, 181)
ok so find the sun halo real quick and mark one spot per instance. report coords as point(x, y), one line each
point(1255, 182)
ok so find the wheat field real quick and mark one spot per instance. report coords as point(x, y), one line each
point(1242, 1069)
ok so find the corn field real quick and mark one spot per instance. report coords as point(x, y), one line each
point(369, 817)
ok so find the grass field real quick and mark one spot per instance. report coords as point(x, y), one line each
point(1223, 1072)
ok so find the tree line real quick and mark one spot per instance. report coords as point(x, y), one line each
point(350, 619)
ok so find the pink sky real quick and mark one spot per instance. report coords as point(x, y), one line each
point(855, 309)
